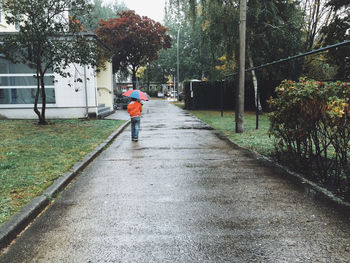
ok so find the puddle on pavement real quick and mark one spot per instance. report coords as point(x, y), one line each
point(195, 128)
point(152, 148)
point(157, 126)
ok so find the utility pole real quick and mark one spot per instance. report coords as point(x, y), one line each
point(178, 62)
point(240, 90)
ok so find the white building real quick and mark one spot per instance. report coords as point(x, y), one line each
point(66, 98)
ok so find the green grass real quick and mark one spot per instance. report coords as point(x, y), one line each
point(251, 138)
point(33, 156)
point(180, 104)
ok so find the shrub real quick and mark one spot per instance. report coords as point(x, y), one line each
point(150, 92)
point(311, 130)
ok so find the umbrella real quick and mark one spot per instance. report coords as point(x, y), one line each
point(137, 94)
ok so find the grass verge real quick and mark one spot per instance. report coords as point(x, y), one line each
point(32, 156)
point(252, 138)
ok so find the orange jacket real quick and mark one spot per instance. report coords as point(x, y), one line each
point(134, 109)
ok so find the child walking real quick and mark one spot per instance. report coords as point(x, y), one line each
point(134, 109)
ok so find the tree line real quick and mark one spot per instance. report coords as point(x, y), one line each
point(208, 38)
point(275, 29)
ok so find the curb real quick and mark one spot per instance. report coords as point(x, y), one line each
point(19, 221)
point(312, 189)
point(309, 187)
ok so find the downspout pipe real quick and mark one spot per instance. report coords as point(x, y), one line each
point(86, 95)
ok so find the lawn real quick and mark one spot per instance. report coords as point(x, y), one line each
point(252, 138)
point(33, 156)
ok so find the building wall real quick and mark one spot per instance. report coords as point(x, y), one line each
point(71, 92)
point(105, 86)
point(51, 113)
point(68, 98)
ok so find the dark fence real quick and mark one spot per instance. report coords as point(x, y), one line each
point(201, 95)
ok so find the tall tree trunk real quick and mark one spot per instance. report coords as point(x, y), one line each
point(148, 79)
point(40, 90)
point(37, 93)
point(315, 21)
point(255, 84)
point(133, 77)
point(114, 85)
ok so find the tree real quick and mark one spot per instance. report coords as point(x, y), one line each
point(338, 31)
point(274, 31)
point(317, 15)
point(100, 11)
point(135, 40)
point(194, 61)
point(227, 66)
point(218, 25)
point(49, 38)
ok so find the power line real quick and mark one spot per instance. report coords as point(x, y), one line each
point(347, 42)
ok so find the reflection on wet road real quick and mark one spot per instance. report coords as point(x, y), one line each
point(182, 194)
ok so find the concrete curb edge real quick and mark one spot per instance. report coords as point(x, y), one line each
point(19, 221)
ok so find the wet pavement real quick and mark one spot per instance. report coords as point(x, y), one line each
point(182, 194)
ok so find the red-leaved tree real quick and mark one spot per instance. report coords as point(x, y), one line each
point(134, 40)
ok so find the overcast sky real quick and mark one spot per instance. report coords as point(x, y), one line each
point(152, 8)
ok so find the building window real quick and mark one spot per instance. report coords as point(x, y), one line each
point(18, 84)
point(0, 11)
point(7, 67)
point(24, 81)
point(25, 96)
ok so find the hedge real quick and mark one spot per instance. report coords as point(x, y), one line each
point(311, 130)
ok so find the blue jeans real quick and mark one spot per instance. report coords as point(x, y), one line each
point(135, 127)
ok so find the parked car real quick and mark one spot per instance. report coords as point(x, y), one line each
point(181, 96)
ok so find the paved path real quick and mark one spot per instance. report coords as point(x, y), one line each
point(181, 194)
